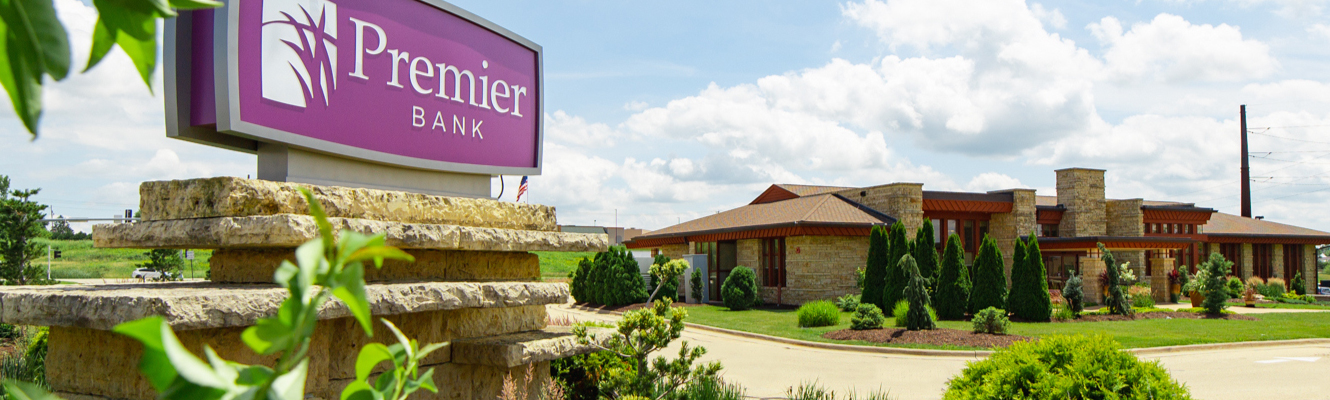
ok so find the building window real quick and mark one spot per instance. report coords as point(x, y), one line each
point(773, 262)
point(1261, 255)
point(1048, 230)
point(1293, 261)
point(1233, 253)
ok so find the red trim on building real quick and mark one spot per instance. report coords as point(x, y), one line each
point(957, 215)
point(1175, 216)
point(641, 243)
point(1049, 216)
point(975, 206)
point(1089, 243)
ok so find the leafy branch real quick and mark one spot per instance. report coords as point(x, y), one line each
point(35, 44)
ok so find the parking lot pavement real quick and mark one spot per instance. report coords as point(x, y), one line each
point(1286, 372)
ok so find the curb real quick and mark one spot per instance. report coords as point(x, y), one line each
point(820, 345)
point(1147, 351)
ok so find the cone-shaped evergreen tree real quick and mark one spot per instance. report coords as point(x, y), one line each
point(925, 254)
point(916, 292)
point(1016, 296)
point(952, 298)
point(1035, 304)
point(1115, 298)
point(990, 278)
point(896, 277)
point(875, 272)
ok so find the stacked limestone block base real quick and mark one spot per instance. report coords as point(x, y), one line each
point(475, 286)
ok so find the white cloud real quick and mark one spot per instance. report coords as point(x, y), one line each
point(1170, 49)
point(1053, 17)
point(1320, 30)
point(993, 181)
point(575, 130)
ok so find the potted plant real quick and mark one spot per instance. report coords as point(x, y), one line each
point(1193, 288)
point(1249, 296)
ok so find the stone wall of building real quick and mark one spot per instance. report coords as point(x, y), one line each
point(1020, 222)
point(1081, 192)
point(1159, 287)
point(1277, 262)
point(820, 267)
point(1309, 275)
point(749, 254)
point(674, 251)
point(903, 201)
point(1090, 270)
point(1246, 261)
point(1125, 218)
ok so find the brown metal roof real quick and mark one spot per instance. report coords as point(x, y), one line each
point(811, 190)
point(1229, 224)
point(824, 209)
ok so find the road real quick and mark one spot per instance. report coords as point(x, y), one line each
point(768, 369)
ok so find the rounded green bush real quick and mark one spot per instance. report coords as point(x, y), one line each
point(991, 320)
point(739, 292)
point(1235, 287)
point(1064, 367)
point(818, 313)
point(902, 310)
point(867, 316)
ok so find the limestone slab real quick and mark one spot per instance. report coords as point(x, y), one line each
point(235, 197)
point(258, 265)
point(292, 230)
point(189, 306)
point(522, 348)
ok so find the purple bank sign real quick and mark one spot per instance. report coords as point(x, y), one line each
point(414, 83)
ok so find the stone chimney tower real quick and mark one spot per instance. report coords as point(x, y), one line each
point(1081, 192)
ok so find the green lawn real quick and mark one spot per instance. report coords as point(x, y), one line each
point(80, 260)
point(557, 265)
point(1139, 333)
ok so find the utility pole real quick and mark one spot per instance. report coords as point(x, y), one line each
point(1246, 171)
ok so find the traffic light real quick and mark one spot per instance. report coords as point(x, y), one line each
point(55, 254)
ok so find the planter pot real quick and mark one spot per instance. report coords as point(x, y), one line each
point(1176, 288)
point(1196, 299)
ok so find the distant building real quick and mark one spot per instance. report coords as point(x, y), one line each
point(617, 235)
point(806, 242)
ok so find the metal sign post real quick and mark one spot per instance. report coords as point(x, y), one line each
point(48, 262)
point(189, 255)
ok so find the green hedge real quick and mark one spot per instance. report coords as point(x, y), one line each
point(740, 289)
point(1065, 367)
point(613, 278)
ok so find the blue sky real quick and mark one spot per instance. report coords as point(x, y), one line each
point(669, 111)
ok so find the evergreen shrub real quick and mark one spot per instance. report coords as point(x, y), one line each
point(952, 297)
point(849, 302)
point(1234, 287)
point(1115, 299)
point(875, 272)
point(739, 292)
point(990, 278)
point(695, 283)
point(867, 316)
point(1214, 285)
point(611, 278)
point(1065, 367)
point(896, 280)
point(1297, 285)
point(925, 255)
point(991, 320)
point(1029, 298)
point(900, 314)
point(1074, 291)
point(920, 316)
point(818, 313)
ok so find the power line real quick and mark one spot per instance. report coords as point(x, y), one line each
point(1283, 160)
point(1286, 138)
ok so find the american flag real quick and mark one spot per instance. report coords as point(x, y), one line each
point(521, 189)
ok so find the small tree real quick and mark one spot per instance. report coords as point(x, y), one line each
point(653, 281)
point(1074, 292)
point(167, 261)
point(740, 289)
point(639, 334)
point(1115, 298)
point(669, 273)
point(896, 277)
point(953, 287)
point(696, 284)
point(1035, 304)
point(20, 221)
point(875, 272)
point(1215, 284)
point(1299, 286)
point(916, 292)
point(925, 254)
point(1017, 296)
point(990, 280)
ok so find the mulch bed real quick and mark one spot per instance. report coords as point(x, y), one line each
point(1157, 315)
point(630, 307)
point(939, 337)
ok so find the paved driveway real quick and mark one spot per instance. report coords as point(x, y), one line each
point(767, 369)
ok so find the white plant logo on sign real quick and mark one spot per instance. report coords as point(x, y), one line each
point(299, 55)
